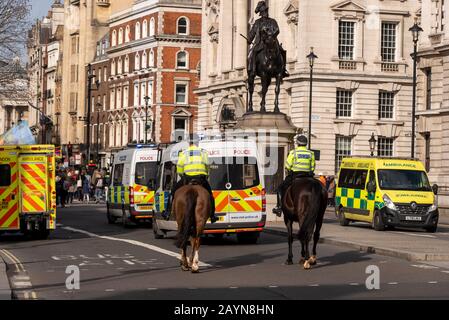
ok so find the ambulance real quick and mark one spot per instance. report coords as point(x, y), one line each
point(27, 189)
point(386, 192)
point(237, 184)
point(130, 195)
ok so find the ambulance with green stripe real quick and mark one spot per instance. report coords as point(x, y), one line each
point(236, 180)
point(386, 192)
point(130, 195)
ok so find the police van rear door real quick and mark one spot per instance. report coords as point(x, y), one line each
point(9, 208)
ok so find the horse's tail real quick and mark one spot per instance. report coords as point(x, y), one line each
point(310, 207)
point(188, 225)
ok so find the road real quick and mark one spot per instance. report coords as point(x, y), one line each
point(119, 263)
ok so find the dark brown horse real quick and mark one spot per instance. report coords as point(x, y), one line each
point(305, 202)
point(191, 205)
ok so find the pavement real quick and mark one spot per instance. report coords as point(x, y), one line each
point(409, 244)
point(114, 262)
point(5, 290)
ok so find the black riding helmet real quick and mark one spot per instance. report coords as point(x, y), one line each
point(301, 140)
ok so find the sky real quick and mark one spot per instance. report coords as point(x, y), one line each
point(39, 8)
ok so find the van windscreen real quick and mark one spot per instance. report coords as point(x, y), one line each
point(145, 172)
point(403, 180)
point(241, 172)
point(5, 175)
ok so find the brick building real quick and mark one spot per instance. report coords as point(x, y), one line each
point(153, 51)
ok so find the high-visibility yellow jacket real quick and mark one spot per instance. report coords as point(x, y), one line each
point(193, 162)
point(300, 160)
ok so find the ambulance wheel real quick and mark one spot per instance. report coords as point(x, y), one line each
point(378, 224)
point(248, 237)
point(342, 219)
point(111, 219)
point(158, 234)
point(42, 234)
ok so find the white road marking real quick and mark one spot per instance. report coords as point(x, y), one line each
point(272, 286)
point(392, 283)
point(152, 289)
point(354, 284)
point(109, 290)
point(446, 271)
point(233, 287)
point(21, 278)
point(415, 235)
point(314, 285)
point(22, 284)
point(136, 243)
point(432, 282)
point(128, 262)
point(33, 295)
point(424, 266)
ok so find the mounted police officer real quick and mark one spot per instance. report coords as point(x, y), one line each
point(264, 21)
point(193, 165)
point(300, 163)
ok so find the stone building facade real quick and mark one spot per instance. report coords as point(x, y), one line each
point(362, 77)
point(433, 93)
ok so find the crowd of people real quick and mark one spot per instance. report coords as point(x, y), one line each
point(329, 184)
point(80, 185)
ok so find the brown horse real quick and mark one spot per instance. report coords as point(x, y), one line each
point(305, 202)
point(191, 205)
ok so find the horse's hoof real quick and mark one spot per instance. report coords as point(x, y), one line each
point(196, 270)
point(312, 260)
point(184, 268)
point(288, 262)
point(307, 265)
point(302, 261)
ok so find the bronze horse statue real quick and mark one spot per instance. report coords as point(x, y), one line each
point(305, 202)
point(191, 205)
point(269, 63)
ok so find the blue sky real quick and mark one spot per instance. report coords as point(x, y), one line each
point(39, 8)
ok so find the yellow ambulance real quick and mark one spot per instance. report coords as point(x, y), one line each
point(386, 192)
point(27, 189)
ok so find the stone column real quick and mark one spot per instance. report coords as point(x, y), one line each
point(241, 27)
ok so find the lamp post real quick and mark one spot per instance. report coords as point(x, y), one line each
point(311, 56)
point(98, 132)
point(415, 30)
point(372, 144)
point(147, 99)
point(90, 77)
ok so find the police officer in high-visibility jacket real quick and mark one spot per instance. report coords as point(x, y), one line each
point(300, 163)
point(193, 164)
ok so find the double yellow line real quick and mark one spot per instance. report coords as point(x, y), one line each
point(19, 268)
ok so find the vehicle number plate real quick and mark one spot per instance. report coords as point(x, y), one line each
point(409, 218)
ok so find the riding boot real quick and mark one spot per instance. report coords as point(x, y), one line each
point(285, 73)
point(213, 217)
point(278, 209)
point(166, 213)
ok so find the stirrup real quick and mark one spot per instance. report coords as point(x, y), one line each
point(277, 211)
point(213, 219)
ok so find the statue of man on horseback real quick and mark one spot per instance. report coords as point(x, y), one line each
point(266, 59)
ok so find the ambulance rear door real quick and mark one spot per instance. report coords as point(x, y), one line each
point(33, 183)
point(9, 207)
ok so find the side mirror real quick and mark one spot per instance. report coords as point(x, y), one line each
point(435, 189)
point(371, 187)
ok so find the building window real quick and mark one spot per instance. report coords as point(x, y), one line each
point(443, 15)
point(127, 34)
point(137, 30)
point(75, 45)
point(181, 60)
point(384, 147)
point(120, 66)
point(344, 103)
point(136, 94)
point(152, 27)
point(143, 93)
point(144, 60)
point(428, 72)
point(105, 74)
point(99, 75)
point(137, 62)
point(181, 93)
point(119, 98)
point(126, 64)
point(388, 47)
point(120, 36)
point(342, 149)
point(145, 29)
point(113, 68)
point(427, 140)
point(346, 40)
point(180, 123)
point(111, 134)
point(386, 105)
point(114, 38)
point(104, 102)
point(125, 97)
point(182, 26)
point(151, 58)
point(112, 99)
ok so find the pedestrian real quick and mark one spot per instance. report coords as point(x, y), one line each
point(322, 179)
point(79, 188)
point(331, 192)
point(72, 191)
point(58, 189)
point(86, 190)
point(99, 190)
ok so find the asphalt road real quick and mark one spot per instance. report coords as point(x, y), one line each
point(119, 263)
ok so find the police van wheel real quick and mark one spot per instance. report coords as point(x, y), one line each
point(111, 219)
point(42, 234)
point(342, 219)
point(378, 224)
point(158, 234)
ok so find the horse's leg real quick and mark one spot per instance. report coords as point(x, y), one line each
point(251, 78)
point(184, 260)
point(277, 91)
point(303, 252)
point(195, 254)
point(316, 235)
point(266, 81)
point(289, 225)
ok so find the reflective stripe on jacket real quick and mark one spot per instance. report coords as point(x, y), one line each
point(300, 160)
point(193, 162)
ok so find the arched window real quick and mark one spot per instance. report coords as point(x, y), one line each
point(182, 26)
point(126, 64)
point(127, 34)
point(114, 38)
point(151, 59)
point(137, 62)
point(181, 60)
point(120, 66)
point(152, 27)
point(144, 60)
point(118, 133)
point(137, 30)
point(125, 132)
point(145, 29)
point(111, 134)
point(113, 68)
point(120, 36)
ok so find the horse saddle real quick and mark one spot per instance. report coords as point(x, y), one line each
point(195, 182)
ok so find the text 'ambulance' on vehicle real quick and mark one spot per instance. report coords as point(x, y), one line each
point(130, 194)
point(237, 184)
point(386, 192)
point(27, 189)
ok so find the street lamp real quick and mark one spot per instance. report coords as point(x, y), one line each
point(147, 99)
point(372, 144)
point(311, 56)
point(415, 30)
point(99, 105)
point(90, 77)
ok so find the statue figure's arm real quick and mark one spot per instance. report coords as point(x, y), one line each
point(276, 28)
point(253, 32)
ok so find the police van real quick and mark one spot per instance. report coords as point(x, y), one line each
point(236, 182)
point(386, 192)
point(27, 189)
point(130, 195)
